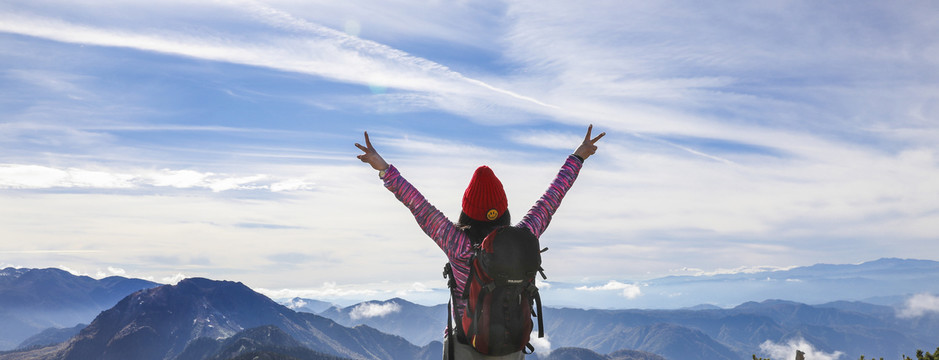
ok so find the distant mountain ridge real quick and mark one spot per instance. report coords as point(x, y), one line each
point(32, 300)
point(884, 281)
point(163, 322)
point(51, 336)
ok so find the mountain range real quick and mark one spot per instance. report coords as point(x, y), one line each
point(884, 281)
point(35, 299)
point(186, 321)
point(853, 328)
point(208, 319)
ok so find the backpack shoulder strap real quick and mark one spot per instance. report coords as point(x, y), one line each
point(540, 315)
point(451, 283)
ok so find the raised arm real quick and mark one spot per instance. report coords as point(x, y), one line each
point(538, 218)
point(433, 222)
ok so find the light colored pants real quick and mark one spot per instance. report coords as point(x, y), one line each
point(465, 352)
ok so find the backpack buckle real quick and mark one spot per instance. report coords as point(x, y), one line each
point(448, 273)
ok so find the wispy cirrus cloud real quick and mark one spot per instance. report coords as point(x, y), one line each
point(663, 69)
point(289, 43)
point(15, 176)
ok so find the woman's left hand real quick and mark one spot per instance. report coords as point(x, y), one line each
point(588, 148)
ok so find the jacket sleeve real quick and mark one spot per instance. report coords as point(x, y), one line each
point(540, 214)
point(447, 236)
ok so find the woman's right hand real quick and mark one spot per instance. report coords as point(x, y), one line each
point(371, 156)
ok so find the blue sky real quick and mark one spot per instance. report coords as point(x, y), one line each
point(215, 139)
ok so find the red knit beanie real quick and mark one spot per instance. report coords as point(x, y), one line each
point(484, 199)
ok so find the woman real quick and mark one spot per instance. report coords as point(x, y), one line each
point(485, 208)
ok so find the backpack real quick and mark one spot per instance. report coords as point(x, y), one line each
point(500, 293)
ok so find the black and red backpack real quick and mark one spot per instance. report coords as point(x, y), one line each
point(500, 293)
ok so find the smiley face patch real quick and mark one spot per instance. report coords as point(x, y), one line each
point(492, 214)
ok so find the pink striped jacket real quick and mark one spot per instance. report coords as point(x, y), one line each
point(454, 241)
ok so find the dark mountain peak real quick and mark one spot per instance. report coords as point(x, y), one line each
point(771, 303)
point(163, 322)
point(634, 355)
point(205, 293)
point(573, 353)
point(399, 301)
point(203, 285)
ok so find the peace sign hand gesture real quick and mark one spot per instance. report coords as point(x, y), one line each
point(588, 148)
point(371, 156)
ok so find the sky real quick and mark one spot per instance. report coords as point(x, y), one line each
point(173, 139)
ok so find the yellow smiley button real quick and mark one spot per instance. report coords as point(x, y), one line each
point(492, 214)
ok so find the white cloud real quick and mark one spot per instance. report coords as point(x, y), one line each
point(919, 305)
point(178, 178)
point(71, 271)
point(292, 185)
point(295, 303)
point(788, 350)
point(370, 310)
point(542, 345)
point(30, 176)
point(630, 291)
point(111, 271)
point(541, 284)
point(238, 183)
point(17, 176)
point(173, 279)
point(38, 177)
point(328, 290)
